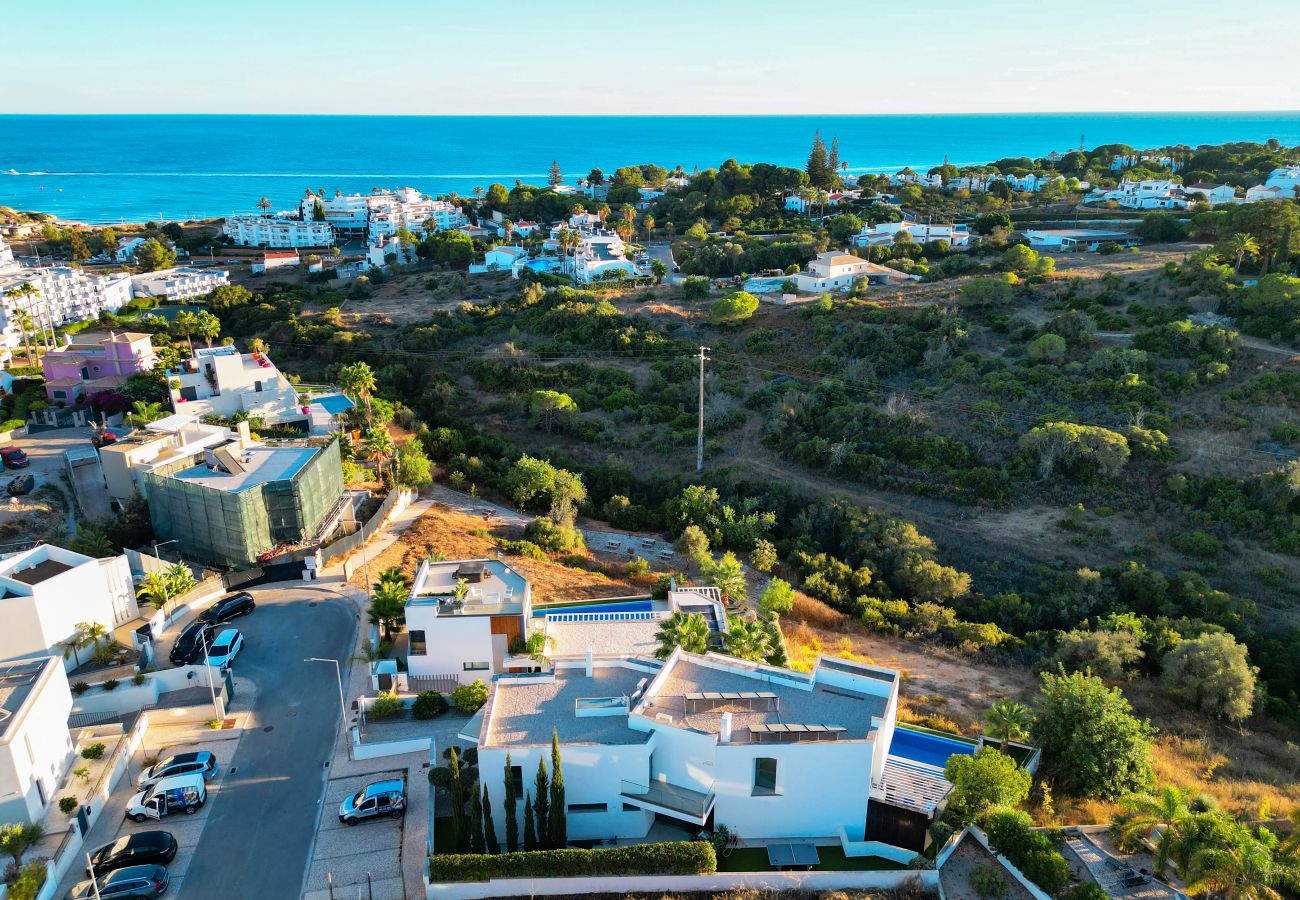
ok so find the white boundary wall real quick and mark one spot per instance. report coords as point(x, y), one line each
point(668, 884)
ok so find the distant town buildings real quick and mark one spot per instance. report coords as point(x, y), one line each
point(1281, 184)
point(380, 213)
point(276, 231)
point(886, 233)
point(180, 283)
point(1160, 193)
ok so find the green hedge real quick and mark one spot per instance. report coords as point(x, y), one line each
point(680, 858)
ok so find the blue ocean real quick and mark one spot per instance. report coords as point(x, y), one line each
point(103, 169)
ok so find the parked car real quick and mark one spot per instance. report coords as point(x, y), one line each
point(225, 647)
point(180, 793)
point(131, 883)
point(202, 762)
point(190, 642)
point(14, 457)
point(382, 798)
point(133, 850)
point(227, 608)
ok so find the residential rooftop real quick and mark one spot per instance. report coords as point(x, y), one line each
point(16, 683)
point(19, 572)
point(494, 588)
point(260, 465)
point(525, 710)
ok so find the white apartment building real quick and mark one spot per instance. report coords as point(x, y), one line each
point(36, 748)
point(704, 741)
point(222, 381)
point(886, 233)
point(269, 231)
point(381, 213)
point(464, 638)
point(64, 294)
point(180, 283)
point(837, 271)
point(48, 590)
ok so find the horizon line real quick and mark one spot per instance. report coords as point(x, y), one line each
point(705, 115)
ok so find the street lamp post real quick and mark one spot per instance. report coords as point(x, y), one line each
point(338, 673)
point(165, 597)
point(207, 664)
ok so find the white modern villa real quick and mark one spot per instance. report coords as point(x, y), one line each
point(222, 381)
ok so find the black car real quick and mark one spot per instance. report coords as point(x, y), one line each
point(130, 883)
point(158, 847)
point(189, 645)
point(227, 608)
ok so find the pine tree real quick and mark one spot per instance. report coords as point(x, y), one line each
point(833, 161)
point(530, 828)
point(476, 844)
point(558, 827)
point(556, 177)
point(489, 827)
point(457, 789)
point(512, 816)
point(818, 167)
point(541, 806)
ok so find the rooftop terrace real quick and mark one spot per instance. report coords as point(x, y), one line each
point(16, 683)
point(526, 710)
point(493, 588)
point(261, 465)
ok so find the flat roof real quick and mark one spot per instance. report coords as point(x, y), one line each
point(605, 638)
point(823, 705)
point(261, 464)
point(16, 683)
point(42, 571)
point(1077, 232)
point(528, 712)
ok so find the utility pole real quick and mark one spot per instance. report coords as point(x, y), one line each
point(699, 440)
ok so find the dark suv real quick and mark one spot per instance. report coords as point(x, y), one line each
point(189, 644)
point(200, 762)
point(227, 608)
point(133, 850)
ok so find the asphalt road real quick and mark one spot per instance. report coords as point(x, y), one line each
point(259, 836)
point(664, 253)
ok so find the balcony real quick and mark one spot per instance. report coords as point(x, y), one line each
point(669, 799)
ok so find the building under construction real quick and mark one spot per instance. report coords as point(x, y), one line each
point(232, 503)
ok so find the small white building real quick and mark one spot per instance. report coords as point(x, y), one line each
point(36, 748)
point(222, 381)
point(48, 590)
point(501, 259)
point(1213, 194)
point(838, 271)
point(381, 248)
point(276, 259)
point(126, 248)
point(464, 638)
point(1156, 193)
point(180, 283)
point(275, 231)
point(1281, 184)
point(1077, 238)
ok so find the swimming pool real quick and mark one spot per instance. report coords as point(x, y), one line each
point(624, 606)
point(929, 749)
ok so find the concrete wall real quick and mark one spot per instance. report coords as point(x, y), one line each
point(669, 884)
point(452, 641)
point(129, 698)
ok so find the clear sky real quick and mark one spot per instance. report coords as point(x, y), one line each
point(430, 57)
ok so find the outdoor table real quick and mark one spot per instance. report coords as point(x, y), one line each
point(792, 856)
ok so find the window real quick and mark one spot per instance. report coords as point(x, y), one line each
point(477, 666)
point(588, 807)
point(764, 775)
point(517, 779)
point(628, 807)
point(417, 644)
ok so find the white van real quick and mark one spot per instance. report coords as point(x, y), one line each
point(178, 793)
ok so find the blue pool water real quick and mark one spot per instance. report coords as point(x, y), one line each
point(926, 748)
point(628, 606)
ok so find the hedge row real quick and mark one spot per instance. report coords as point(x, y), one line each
point(679, 858)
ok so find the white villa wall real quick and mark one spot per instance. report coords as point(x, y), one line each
point(37, 748)
point(819, 788)
point(451, 642)
point(592, 774)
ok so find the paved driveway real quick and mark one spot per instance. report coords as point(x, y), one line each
point(258, 841)
point(363, 859)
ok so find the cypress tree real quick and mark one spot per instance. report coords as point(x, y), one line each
point(489, 827)
point(512, 816)
point(530, 828)
point(457, 803)
point(558, 827)
point(556, 177)
point(541, 806)
point(476, 844)
point(818, 166)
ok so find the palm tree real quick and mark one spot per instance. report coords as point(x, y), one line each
point(142, 413)
point(388, 608)
point(25, 291)
point(264, 205)
point(747, 640)
point(395, 577)
point(1008, 720)
point(379, 446)
point(1242, 871)
point(1162, 817)
point(1241, 246)
point(537, 644)
point(686, 630)
point(359, 381)
point(92, 542)
point(155, 589)
point(73, 643)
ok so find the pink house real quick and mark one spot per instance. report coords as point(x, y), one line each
point(95, 361)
